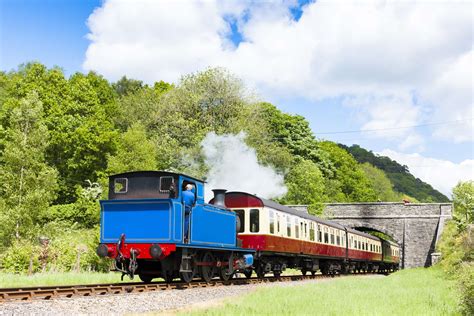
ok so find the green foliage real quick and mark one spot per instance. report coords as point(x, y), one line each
point(463, 199)
point(22, 256)
point(305, 185)
point(457, 259)
point(68, 250)
point(28, 184)
point(403, 181)
point(293, 132)
point(380, 183)
point(134, 152)
point(349, 179)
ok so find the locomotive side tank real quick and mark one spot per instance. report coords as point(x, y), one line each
point(150, 230)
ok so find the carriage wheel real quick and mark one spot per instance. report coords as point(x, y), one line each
point(260, 272)
point(168, 276)
point(304, 271)
point(276, 274)
point(248, 273)
point(207, 271)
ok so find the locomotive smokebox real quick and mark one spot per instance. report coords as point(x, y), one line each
point(219, 197)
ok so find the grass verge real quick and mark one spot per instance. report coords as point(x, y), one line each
point(59, 278)
point(408, 292)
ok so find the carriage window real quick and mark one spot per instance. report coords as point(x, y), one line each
point(278, 223)
point(358, 244)
point(241, 215)
point(366, 246)
point(320, 234)
point(297, 229)
point(254, 221)
point(326, 236)
point(311, 231)
point(306, 230)
point(288, 226)
point(332, 239)
point(338, 240)
point(120, 185)
point(272, 223)
point(165, 184)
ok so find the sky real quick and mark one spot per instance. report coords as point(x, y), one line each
point(394, 77)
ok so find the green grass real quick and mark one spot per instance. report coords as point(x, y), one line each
point(408, 292)
point(60, 278)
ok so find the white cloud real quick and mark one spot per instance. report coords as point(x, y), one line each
point(382, 49)
point(443, 175)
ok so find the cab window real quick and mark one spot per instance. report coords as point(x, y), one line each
point(120, 185)
point(254, 221)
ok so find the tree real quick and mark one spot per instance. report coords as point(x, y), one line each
point(305, 185)
point(127, 86)
point(134, 152)
point(28, 184)
point(78, 116)
point(352, 181)
point(294, 133)
point(380, 183)
point(463, 199)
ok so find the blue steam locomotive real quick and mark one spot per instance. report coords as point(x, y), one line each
point(150, 229)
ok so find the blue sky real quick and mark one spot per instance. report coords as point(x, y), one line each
point(343, 67)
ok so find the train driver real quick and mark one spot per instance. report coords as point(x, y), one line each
point(188, 200)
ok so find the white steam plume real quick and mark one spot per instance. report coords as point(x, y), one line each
point(234, 166)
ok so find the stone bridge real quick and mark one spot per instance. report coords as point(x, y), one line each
point(416, 227)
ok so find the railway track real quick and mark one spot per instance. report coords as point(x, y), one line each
point(68, 291)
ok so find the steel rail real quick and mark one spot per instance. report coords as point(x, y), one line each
point(68, 291)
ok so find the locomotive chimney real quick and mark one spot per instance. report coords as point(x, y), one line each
point(219, 197)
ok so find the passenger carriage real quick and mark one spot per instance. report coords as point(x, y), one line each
point(286, 238)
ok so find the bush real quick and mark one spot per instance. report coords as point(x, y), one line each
point(75, 251)
point(67, 250)
point(466, 281)
point(457, 250)
point(22, 256)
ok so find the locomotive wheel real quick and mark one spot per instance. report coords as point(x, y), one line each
point(248, 273)
point(207, 272)
point(188, 276)
point(224, 274)
point(146, 277)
